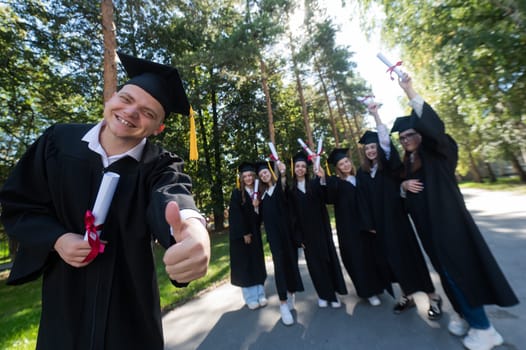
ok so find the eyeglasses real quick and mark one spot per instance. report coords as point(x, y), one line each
point(407, 137)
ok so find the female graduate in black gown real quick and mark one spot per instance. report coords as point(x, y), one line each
point(469, 273)
point(247, 260)
point(313, 230)
point(273, 209)
point(379, 188)
point(359, 249)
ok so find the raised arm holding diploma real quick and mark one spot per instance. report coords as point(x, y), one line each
point(391, 67)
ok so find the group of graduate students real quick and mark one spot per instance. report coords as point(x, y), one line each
point(377, 241)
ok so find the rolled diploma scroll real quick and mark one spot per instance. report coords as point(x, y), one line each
point(256, 187)
point(273, 151)
point(397, 70)
point(306, 148)
point(318, 152)
point(103, 200)
point(367, 100)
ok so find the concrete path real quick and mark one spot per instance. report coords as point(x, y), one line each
point(219, 319)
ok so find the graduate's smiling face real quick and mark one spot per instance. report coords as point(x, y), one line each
point(248, 178)
point(410, 140)
point(133, 114)
point(344, 166)
point(300, 169)
point(265, 176)
point(371, 151)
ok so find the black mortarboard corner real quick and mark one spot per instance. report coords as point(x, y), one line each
point(369, 137)
point(402, 124)
point(246, 166)
point(264, 165)
point(161, 81)
point(301, 157)
point(336, 155)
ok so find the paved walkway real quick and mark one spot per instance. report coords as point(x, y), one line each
point(219, 320)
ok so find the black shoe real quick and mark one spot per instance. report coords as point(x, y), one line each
point(435, 309)
point(403, 304)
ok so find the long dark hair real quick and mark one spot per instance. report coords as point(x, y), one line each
point(242, 185)
point(410, 167)
point(368, 164)
point(295, 179)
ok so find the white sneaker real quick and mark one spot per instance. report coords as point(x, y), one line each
point(322, 303)
point(263, 301)
point(253, 305)
point(286, 316)
point(336, 304)
point(457, 325)
point(291, 301)
point(482, 339)
point(374, 300)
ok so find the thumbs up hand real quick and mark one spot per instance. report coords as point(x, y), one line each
point(188, 258)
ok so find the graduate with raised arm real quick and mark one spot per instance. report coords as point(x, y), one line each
point(274, 212)
point(247, 260)
point(469, 273)
point(383, 212)
point(111, 299)
point(312, 229)
point(360, 251)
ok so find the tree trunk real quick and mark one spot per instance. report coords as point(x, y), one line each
point(217, 186)
point(110, 44)
point(264, 83)
point(518, 169)
point(491, 174)
point(331, 113)
point(477, 177)
point(299, 86)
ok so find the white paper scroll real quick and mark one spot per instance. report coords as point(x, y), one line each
point(104, 197)
point(306, 148)
point(391, 66)
point(256, 187)
point(318, 154)
point(273, 151)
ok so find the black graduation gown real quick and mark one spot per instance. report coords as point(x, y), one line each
point(360, 251)
point(284, 252)
point(112, 303)
point(247, 261)
point(312, 228)
point(383, 210)
point(448, 233)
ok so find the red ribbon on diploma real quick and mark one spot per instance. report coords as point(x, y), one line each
point(313, 155)
point(93, 238)
point(271, 156)
point(391, 69)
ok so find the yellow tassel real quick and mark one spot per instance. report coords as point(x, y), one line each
point(291, 168)
point(327, 167)
point(193, 137)
point(272, 172)
point(238, 184)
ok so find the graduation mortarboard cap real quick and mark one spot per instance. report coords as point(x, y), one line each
point(162, 82)
point(300, 156)
point(336, 155)
point(263, 165)
point(369, 137)
point(402, 124)
point(246, 166)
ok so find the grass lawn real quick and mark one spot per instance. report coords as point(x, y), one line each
point(20, 305)
point(502, 184)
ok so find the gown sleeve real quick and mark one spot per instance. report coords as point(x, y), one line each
point(28, 213)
